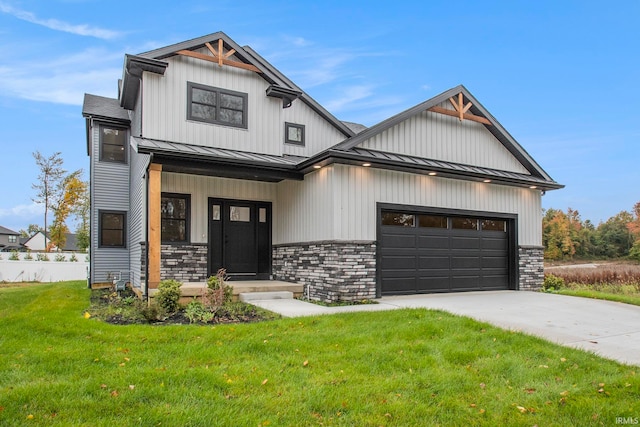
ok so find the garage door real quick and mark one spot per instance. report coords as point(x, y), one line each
point(422, 253)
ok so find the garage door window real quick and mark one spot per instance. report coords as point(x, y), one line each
point(432, 221)
point(494, 225)
point(464, 223)
point(399, 219)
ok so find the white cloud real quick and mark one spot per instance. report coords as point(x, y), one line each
point(349, 96)
point(54, 24)
point(22, 211)
point(63, 80)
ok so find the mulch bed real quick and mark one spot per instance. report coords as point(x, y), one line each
point(101, 299)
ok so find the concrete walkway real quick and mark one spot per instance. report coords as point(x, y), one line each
point(609, 329)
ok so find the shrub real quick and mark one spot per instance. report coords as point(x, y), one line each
point(168, 295)
point(218, 292)
point(42, 257)
point(197, 312)
point(60, 258)
point(552, 283)
point(14, 256)
point(152, 312)
point(73, 258)
point(28, 256)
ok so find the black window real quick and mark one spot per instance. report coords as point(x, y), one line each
point(294, 134)
point(174, 213)
point(112, 229)
point(464, 223)
point(397, 218)
point(113, 144)
point(215, 105)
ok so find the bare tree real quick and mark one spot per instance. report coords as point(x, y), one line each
point(50, 183)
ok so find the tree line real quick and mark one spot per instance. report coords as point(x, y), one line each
point(566, 236)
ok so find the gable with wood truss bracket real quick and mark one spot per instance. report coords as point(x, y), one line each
point(461, 110)
point(219, 56)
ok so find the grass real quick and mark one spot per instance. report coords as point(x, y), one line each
point(396, 368)
point(618, 282)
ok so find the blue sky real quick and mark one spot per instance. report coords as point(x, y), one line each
point(561, 77)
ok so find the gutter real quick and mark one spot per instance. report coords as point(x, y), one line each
point(146, 230)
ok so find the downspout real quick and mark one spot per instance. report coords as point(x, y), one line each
point(146, 231)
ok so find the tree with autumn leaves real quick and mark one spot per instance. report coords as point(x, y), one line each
point(566, 236)
point(61, 193)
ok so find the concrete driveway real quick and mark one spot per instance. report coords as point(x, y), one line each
point(609, 329)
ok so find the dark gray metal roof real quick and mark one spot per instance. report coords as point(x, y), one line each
point(209, 153)
point(443, 166)
point(5, 230)
point(413, 164)
point(100, 107)
point(496, 129)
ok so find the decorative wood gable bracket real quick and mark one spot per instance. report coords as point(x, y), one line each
point(219, 57)
point(460, 110)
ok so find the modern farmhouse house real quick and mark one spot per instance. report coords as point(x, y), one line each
point(211, 158)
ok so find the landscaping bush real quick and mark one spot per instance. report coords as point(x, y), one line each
point(552, 283)
point(14, 256)
point(73, 258)
point(168, 295)
point(42, 257)
point(218, 292)
point(60, 258)
point(196, 312)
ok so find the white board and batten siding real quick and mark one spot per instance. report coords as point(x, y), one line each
point(165, 112)
point(109, 192)
point(440, 137)
point(339, 202)
point(319, 133)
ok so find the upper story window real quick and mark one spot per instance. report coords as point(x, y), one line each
point(294, 133)
point(215, 105)
point(174, 212)
point(113, 144)
point(13, 239)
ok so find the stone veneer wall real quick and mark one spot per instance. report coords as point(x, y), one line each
point(184, 262)
point(330, 270)
point(531, 267)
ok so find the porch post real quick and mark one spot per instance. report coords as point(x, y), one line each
point(155, 192)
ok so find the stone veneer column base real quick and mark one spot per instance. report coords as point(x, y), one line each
point(531, 267)
point(184, 262)
point(330, 270)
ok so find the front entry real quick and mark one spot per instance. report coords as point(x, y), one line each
point(240, 238)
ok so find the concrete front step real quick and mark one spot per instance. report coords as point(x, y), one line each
point(189, 290)
point(261, 296)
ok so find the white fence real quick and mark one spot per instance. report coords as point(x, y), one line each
point(33, 266)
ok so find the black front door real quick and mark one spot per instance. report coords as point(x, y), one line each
point(240, 238)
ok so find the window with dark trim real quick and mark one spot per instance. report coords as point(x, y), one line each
point(112, 228)
point(294, 133)
point(398, 219)
point(174, 217)
point(215, 105)
point(113, 144)
point(13, 239)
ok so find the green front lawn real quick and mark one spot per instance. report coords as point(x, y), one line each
point(400, 368)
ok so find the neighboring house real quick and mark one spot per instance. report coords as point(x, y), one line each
point(210, 157)
point(38, 242)
point(9, 239)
